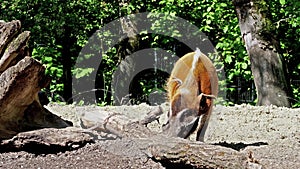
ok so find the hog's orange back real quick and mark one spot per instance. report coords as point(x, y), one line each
point(192, 85)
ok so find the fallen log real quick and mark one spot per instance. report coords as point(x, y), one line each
point(46, 141)
point(171, 152)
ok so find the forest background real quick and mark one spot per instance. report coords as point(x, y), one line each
point(60, 29)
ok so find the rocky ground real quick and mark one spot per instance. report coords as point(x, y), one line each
point(271, 133)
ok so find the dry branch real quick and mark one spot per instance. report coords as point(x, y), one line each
point(152, 116)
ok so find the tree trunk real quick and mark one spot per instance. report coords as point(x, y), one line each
point(126, 47)
point(266, 62)
point(21, 78)
point(67, 65)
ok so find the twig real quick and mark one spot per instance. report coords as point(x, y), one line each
point(152, 116)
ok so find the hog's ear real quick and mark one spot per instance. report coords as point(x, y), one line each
point(175, 104)
point(177, 82)
point(202, 103)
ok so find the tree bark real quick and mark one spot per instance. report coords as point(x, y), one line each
point(16, 51)
point(20, 109)
point(48, 140)
point(179, 153)
point(21, 78)
point(7, 32)
point(266, 62)
point(127, 47)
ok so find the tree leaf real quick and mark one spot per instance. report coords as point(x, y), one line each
point(282, 2)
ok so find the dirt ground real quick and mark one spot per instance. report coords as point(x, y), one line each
point(271, 133)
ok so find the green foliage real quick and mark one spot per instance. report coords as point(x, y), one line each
point(59, 30)
point(49, 57)
point(296, 92)
point(286, 18)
